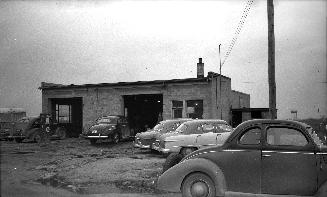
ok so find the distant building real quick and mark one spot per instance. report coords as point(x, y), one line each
point(143, 102)
point(7, 118)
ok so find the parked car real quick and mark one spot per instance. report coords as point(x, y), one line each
point(112, 127)
point(276, 157)
point(30, 128)
point(193, 135)
point(145, 140)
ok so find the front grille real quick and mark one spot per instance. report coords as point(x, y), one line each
point(146, 141)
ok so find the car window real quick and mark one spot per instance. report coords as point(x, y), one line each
point(208, 128)
point(182, 128)
point(251, 137)
point(284, 136)
point(107, 120)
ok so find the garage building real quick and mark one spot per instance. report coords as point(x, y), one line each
point(144, 103)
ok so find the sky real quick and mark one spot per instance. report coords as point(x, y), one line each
point(82, 42)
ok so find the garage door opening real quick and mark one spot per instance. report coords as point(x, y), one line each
point(143, 110)
point(67, 112)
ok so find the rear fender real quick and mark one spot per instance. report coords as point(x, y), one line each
point(173, 178)
point(322, 192)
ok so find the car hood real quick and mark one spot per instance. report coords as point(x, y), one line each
point(148, 134)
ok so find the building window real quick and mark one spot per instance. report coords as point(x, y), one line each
point(177, 109)
point(64, 113)
point(194, 109)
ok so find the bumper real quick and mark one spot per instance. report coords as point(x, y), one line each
point(160, 149)
point(139, 145)
point(94, 136)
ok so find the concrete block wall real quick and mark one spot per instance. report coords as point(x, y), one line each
point(240, 100)
point(186, 92)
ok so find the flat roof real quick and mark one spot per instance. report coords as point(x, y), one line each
point(45, 86)
point(250, 109)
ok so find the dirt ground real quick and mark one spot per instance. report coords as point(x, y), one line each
point(76, 166)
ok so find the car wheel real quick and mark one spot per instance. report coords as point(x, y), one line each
point(115, 138)
point(186, 151)
point(37, 138)
point(18, 140)
point(172, 159)
point(61, 133)
point(198, 184)
point(93, 141)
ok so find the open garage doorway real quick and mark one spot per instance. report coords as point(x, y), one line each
point(68, 112)
point(143, 110)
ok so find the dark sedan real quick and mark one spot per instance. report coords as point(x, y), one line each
point(146, 139)
point(112, 127)
point(276, 157)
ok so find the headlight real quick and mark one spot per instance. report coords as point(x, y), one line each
point(94, 131)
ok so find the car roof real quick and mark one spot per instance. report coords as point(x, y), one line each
point(112, 116)
point(199, 121)
point(176, 120)
point(274, 121)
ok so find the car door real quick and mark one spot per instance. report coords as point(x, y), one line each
point(241, 161)
point(208, 137)
point(288, 162)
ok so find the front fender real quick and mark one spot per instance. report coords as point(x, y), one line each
point(173, 178)
point(32, 132)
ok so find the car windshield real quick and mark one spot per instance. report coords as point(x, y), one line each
point(107, 120)
point(165, 127)
point(224, 128)
point(315, 137)
point(182, 128)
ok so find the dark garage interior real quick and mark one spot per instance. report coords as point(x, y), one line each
point(143, 110)
point(68, 112)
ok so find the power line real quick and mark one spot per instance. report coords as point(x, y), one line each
point(238, 29)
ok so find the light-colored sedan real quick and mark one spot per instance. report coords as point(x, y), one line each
point(193, 135)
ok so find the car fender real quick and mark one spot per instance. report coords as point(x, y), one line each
point(31, 133)
point(322, 191)
point(172, 179)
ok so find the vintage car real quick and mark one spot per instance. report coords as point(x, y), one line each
point(30, 128)
point(112, 127)
point(145, 140)
point(193, 135)
point(278, 157)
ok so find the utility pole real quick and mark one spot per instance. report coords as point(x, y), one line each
point(271, 60)
point(220, 103)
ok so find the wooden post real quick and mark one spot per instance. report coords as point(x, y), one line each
point(271, 60)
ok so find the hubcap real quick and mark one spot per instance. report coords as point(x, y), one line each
point(199, 189)
point(116, 138)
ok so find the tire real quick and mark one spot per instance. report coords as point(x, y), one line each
point(198, 184)
point(37, 138)
point(186, 151)
point(61, 132)
point(18, 140)
point(172, 159)
point(93, 141)
point(115, 138)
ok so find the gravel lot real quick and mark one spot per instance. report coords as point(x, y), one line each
point(74, 165)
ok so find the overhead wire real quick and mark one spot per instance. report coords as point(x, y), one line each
point(238, 29)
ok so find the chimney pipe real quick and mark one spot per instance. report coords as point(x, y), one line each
point(200, 69)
